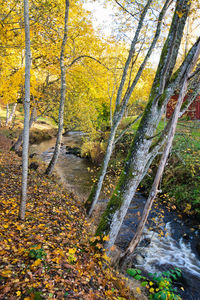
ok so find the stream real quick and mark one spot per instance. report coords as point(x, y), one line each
point(167, 241)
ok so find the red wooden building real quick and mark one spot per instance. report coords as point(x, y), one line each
point(193, 111)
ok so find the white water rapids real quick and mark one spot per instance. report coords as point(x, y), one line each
point(168, 251)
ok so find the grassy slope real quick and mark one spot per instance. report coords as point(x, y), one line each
point(181, 180)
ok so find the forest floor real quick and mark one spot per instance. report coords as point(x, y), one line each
point(49, 255)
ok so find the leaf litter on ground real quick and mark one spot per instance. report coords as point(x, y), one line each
point(49, 255)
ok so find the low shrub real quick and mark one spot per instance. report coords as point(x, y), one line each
point(159, 285)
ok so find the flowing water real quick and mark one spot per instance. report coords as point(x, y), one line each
point(73, 170)
point(166, 243)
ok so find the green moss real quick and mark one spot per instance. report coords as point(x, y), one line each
point(116, 200)
point(113, 205)
point(89, 201)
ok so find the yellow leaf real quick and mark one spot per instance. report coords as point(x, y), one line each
point(56, 260)
point(19, 227)
point(106, 257)
point(109, 293)
point(72, 251)
point(41, 225)
point(138, 290)
point(106, 238)
point(188, 208)
point(6, 273)
point(179, 13)
point(99, 246)
point(36, 263)
point(18, 293)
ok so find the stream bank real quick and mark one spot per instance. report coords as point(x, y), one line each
point(167, 242)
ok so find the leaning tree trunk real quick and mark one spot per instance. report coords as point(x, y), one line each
point(120, 109)
point(154, 190)
point(26, 112)
point(62, 94)
point(140, 152)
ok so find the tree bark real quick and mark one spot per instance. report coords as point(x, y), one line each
point(7, 113)
point(120, 108)
point(11, 114)
point(154, 190)
point(139, 154)
point(26, 112)
point(62, 94)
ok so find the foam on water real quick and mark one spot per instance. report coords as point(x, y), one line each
point(168, 251)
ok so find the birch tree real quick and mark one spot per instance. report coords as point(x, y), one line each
point(142, 150)
point(154, 190)
point(122, 101)
point(62, 93)
point(26, 112)
point(10, 115)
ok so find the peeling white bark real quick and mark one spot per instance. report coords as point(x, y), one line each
point(121, 104)
point(62, 94)
point(26, 112)
point(140, 150)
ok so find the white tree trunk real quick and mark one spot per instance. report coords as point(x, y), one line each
point(98, 185)
point(7, 113)
point(133, 174)
point(119, 111)
point(26, 112)
point(154, 190)
point(11, 114)
point(62, 94)
point(140, 152)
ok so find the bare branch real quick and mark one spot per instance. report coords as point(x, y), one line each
point(86, 56)
point(127, 128)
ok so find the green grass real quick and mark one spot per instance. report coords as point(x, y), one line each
point(181, 180)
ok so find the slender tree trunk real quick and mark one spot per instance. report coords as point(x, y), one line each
point(98, 185)
point(11, 115)
point(19, 141)
point(154, 190)
point(26, 112)
point(7, 113)
point(119, 111)
point(140, 152)
point(62, 94)
point(94, 195)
